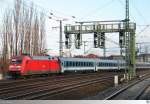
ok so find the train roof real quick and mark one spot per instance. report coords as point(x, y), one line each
point(89, 59)
point(41, 57)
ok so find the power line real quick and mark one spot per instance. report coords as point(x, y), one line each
point(41, 9)
point(97, 9)
point(143, 29)
point(140, 14)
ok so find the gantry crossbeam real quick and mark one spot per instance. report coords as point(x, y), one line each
point(91, 28)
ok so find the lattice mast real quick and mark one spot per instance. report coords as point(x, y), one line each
point(129, 44)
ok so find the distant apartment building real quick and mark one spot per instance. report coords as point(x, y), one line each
point(115, 57)
point(143, 58)
point(139, 58)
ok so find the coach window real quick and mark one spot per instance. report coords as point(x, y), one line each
point(67, 63)
point(79, 64)
point(113, 64)
point(76, 63)
point(82, 64)
point(109, 64)
point(103, 64)
point(86, 63)
point(99, 64)
point(70, 63)
point(90, 64)
point(106, 64)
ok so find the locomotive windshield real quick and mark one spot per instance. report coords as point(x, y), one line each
point(16, 61)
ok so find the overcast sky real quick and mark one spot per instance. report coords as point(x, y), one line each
point(85, 10)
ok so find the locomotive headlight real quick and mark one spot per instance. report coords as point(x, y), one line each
point(18, 67)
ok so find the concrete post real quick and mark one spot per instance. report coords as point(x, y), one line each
point(124, 76)
point(1, 76)
point(116, 80)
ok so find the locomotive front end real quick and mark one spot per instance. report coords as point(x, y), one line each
point(15, 67)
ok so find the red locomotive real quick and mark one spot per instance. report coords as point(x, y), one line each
point(30, 65)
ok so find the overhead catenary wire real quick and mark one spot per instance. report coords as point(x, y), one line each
point(97, 9)
point(139, 13)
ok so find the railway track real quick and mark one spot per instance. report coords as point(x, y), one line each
point(32, 79)
point(48, 93)
point(58, 87)
point(10, 92)
point(40, 83)
point(21, 82)
point(133, 91)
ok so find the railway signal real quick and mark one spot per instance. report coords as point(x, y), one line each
point(99, 40)
point(96, 40)
point(78, 40)
point(68, 41)
point(102, 40)
point(122, 39)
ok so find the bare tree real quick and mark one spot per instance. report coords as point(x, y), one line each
point(23, 29)
point(42, 36)
point(16, 14)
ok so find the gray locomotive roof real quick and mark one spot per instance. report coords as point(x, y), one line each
point(41, 57)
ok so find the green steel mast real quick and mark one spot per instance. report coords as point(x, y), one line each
point(130, 45)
